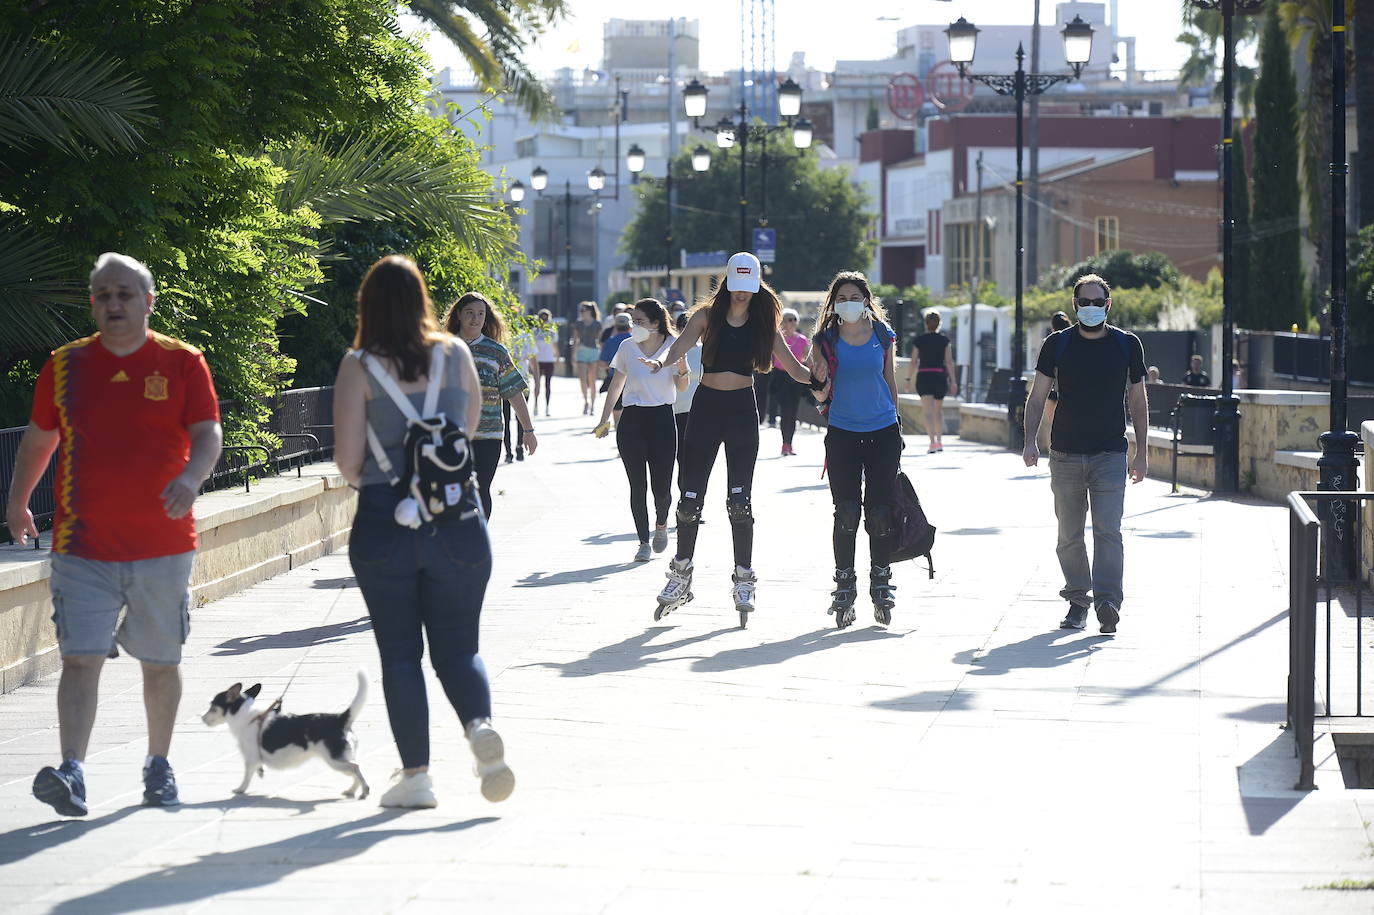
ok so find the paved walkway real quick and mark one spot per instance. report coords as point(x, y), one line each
point(970, 758)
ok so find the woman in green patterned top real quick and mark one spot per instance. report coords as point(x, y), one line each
point(483, 330)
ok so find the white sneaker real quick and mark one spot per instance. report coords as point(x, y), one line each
point(412, 791)
point(498, 781)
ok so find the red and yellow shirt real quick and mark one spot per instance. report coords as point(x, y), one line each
point(123, 425)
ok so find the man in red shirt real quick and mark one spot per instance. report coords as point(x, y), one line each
point(136, 419)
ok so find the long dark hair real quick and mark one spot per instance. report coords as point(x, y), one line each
point(396, 317)
point(658, 316)
point(829, 319)
point(765, 311)
point(493, 325)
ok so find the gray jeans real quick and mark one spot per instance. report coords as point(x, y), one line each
point(1080, 482)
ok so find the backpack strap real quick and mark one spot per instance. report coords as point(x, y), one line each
point(402, 402)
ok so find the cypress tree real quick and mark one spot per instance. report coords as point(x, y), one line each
point(1275, 259)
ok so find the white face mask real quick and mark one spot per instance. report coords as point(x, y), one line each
point(639, 333)
point(1091, 315)
point(850, 311)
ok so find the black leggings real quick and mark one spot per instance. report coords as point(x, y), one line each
point(870, 459)
point(546, 373)
point(486, 454)
point(506, 430)
point(786, 395)
point(762, 387)
point(719, 417)
point(647, 438)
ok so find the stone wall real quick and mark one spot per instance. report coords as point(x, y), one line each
point(245, 537)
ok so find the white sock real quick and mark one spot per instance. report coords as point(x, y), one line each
point(742, 571)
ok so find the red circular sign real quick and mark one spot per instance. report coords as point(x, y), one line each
point(948, 90)
point(905, 96)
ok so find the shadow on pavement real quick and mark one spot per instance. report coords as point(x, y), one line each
point(27, 841)
point(331, 583)
point(777, 652)
point(1265, 712)
point(629, 654)
point(219, 872)
point(299, 638)
point(1167, 535)
point(610, 538)
point(1042, 650)
point(542, 580)
point(1265, 782)
point(806, 488)
point(930, 700)
point(972, 531)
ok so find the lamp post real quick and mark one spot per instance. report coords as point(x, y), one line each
point(539, 179)
point(635, 161)
point(1337, 467)
point(1078, 42)
point(1226, 418)
point(741, 131)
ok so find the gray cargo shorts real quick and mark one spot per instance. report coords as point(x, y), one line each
point(88, 594)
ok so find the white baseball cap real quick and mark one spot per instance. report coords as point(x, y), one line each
point(742, 273)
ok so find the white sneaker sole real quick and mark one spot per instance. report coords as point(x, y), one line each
point(498, 781)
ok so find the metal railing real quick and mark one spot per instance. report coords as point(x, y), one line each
point(1326, 565)
point(302, 418)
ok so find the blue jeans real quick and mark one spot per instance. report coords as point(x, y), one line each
point(433, 578)
point(1080, 482)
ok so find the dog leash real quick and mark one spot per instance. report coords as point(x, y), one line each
point(276, 706)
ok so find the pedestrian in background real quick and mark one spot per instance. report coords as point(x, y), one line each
point(1098, 368)
point(1058, 321)
point(522, 354)
point(136, 419)
point(586, 338)
point(481, 327)
point(738, 330)
point(863, 442)
point(428, 582)
point(933, 369)
point(545, 357)
point(645, 433)
point(786, 393)
point(1195, 377)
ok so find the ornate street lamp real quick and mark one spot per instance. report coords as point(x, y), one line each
point(701, 158)
point(963, 42)
point(596, 179)
point(539, 179)
point(517, 192)
point(635, 160)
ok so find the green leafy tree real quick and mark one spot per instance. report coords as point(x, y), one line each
point(1205, 31)
point(1123, 269)
point(1275, 261)
point(496, 52)
point(822, 220)
point(1360, 288)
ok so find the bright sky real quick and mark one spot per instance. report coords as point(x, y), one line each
point(868, 28)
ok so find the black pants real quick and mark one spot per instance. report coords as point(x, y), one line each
point(786, 396)
point(647, 439)
point(506, 430)
point(486, 454)
point(728, 418)
point(762, 386)
point(863, 472)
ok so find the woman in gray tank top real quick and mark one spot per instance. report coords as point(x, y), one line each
point(428, 579)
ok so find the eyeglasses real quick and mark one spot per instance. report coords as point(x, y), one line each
point(1083, 303)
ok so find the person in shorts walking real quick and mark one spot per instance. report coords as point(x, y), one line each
point(123, 535)
point(1098, 369)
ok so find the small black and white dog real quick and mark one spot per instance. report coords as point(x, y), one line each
point(270, 738)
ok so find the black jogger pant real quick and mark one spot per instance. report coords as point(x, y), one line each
point(871, 459)
point(729, 418)
point(647, 439)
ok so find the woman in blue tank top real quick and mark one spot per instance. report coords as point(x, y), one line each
point(863, 444)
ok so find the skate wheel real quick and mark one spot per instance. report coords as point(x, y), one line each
point(884, 617)
point(658, 614)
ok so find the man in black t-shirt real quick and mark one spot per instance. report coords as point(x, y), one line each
point(1097, 369)
point(1196, 377)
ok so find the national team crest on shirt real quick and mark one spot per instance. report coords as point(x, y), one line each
point(155, 387)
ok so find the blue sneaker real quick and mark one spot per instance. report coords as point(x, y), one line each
point(63, 788)
point(159, 784)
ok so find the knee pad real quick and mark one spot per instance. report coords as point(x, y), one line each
point(740, 510)
point(688, 511)
point(847, 516)
point(879, 521)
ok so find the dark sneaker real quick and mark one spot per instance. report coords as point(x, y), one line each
point(63, 788)
point(1077, 618)
point(1108, 615)
point(159, 784)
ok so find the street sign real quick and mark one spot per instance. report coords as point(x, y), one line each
point(766, 245)
point(947, 89)
point(905, 97)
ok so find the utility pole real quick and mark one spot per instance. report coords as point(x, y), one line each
point(672, 151)
point(971, 389)
point(1033, 126)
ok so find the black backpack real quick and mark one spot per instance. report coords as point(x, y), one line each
point(915, 535)
point(438, 455)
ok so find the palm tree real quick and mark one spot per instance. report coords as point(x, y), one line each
point(1205, 32)
point(71, 99)
point(497, 58)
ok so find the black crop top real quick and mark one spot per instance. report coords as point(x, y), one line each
point(733, 351)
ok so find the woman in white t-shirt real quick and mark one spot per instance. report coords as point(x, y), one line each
point(646, 433)
point(545, 356)
point(691, 370)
